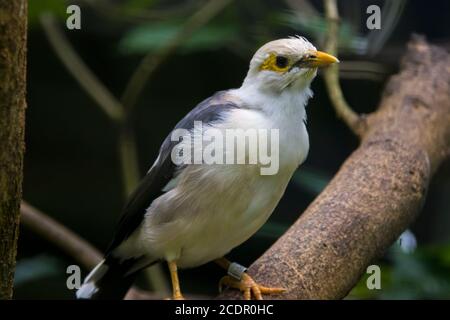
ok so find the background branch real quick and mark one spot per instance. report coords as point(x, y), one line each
point(59, 235)
point(117, 111)
point(377, 192)
point(152, 60)
point(112, 108)
point(140, 77)
point(78, 69)
point(127, 141)
point(121, 112)
point(72, 244)
point(363, 70)
point(331, 74)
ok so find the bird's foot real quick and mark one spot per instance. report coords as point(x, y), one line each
point(248, 286)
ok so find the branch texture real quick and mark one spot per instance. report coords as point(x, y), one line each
point(13, 35)
point(377, 192)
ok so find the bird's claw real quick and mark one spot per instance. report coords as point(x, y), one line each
point(248, 286)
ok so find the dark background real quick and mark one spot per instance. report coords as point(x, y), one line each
point(72, 168)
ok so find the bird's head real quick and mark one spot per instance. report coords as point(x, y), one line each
point(286, 64)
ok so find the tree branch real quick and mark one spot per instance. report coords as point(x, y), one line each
point(377, 192)
point(127, 141)
point(71, 243)
point(120, 112)
point(141, 75)
point(111, 107)
point(151, 61)
point(13, 66)
point(75, 65)
point(62, 237)
point(331, 74)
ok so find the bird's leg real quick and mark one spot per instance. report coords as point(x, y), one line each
point(175, 282)
point(245, 284)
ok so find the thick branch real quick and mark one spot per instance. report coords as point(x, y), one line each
point(377, 192)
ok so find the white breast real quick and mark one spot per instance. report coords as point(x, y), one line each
point(214, 208)
point(242, 198)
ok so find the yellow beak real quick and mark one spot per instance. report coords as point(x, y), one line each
point(321, 59)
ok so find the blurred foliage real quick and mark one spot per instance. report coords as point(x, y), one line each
point(35, 268)
point(315, 26)
point(38, 7)
point(423, 274)
point(139, 4)
point(151, 37)
point(42, 276)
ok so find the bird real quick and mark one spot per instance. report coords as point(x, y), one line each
point(188, 213)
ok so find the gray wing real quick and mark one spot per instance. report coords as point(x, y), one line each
point(164, 170)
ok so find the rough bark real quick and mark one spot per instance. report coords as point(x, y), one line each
point(13, 31)
point(377, 192)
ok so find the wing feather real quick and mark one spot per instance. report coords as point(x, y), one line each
point(164, 170)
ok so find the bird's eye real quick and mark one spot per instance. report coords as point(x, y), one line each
point(281, 62)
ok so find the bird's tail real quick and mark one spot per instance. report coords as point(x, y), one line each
point(109, 280)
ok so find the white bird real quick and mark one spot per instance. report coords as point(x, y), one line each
point(188, 214)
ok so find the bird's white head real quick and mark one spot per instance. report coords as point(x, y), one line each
point(286, 64)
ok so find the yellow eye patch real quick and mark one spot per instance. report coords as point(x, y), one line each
point(275, 63)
